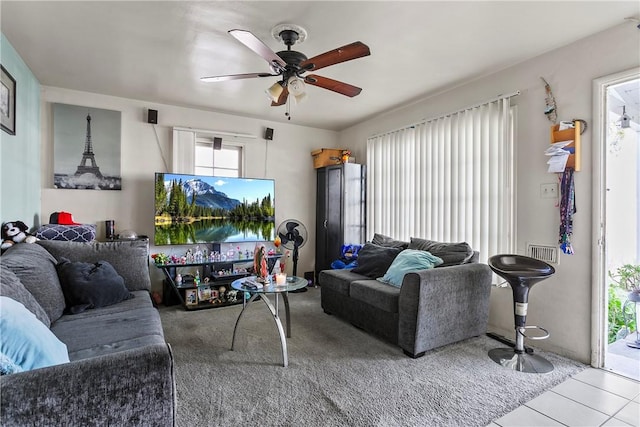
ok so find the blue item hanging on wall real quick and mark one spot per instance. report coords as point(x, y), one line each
point(567, 210)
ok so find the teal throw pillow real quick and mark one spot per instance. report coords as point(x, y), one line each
point(25, 342)
point(408, 261)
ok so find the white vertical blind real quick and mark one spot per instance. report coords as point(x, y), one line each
point(184, 146)
point(448, 179)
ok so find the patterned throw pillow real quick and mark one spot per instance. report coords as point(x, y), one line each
point(68, 233)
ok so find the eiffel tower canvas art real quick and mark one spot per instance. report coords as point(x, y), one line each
point(86, 148)
point(88, 156)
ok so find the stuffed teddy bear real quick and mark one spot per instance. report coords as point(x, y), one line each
point(15, 232)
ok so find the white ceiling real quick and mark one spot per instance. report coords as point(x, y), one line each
point(157, 51)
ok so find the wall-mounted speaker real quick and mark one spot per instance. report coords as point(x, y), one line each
point(268, 134)
point(217, 143)
point(152, 116)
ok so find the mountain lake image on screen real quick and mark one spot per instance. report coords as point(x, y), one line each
point(193, 209)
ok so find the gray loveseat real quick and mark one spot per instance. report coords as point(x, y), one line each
point(432, 307)
point(121, 369)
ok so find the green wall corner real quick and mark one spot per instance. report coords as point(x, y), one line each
point(20, 171)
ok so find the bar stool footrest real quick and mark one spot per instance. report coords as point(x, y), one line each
point(520, 330)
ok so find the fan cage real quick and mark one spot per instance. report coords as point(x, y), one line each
point(282, 229)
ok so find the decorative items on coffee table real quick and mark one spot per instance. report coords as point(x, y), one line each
point(260, 263)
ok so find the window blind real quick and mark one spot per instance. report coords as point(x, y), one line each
point(184, 143)
point(448, 179)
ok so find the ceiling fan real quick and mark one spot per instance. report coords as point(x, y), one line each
point(290, 65)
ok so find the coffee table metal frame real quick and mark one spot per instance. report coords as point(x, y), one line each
point(293, 283)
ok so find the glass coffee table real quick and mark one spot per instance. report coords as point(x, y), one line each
point(292, 283)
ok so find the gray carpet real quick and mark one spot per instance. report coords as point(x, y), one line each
point(338, 375)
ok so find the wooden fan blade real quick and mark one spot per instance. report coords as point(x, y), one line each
point(235, 77)
point(255, 44)
point(345, 53)
point(282, 99)
point(334, 85)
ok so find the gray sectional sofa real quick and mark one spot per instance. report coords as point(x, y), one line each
point(120, 370)
point(432, 307)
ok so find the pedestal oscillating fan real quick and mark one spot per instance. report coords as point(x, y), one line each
point(293, 235)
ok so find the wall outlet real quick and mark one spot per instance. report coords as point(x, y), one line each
point(549, 191)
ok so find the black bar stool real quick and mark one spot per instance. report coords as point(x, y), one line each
point(521, 272)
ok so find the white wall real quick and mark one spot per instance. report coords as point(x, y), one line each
point(562, 303)
point(288, 161)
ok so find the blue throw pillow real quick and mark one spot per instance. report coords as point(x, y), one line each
point(25, 342)
point(408, 261)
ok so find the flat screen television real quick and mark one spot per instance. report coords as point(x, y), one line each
point(192, 209)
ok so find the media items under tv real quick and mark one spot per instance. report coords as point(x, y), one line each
point(213, 209)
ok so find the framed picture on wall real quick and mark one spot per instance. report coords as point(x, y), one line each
point(7, 102)
point(86, 148)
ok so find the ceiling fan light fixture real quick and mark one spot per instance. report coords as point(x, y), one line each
point(300, 98)
point(296, 86)
point(275, 91)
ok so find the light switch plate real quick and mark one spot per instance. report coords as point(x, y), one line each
point(549, 191)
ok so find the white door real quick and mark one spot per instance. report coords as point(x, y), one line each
point(616, 186)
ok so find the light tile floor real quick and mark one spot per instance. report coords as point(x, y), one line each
point(594, 397)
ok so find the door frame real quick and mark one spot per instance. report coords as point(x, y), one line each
point(598, 271)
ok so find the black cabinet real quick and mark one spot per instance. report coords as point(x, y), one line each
point(340, 211)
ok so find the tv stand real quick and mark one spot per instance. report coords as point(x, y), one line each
point(217, 291)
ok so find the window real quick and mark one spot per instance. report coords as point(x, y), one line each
point(193, 153)
point(448, 179)
point(224, 162)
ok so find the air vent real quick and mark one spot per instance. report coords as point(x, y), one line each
point(543, 253)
